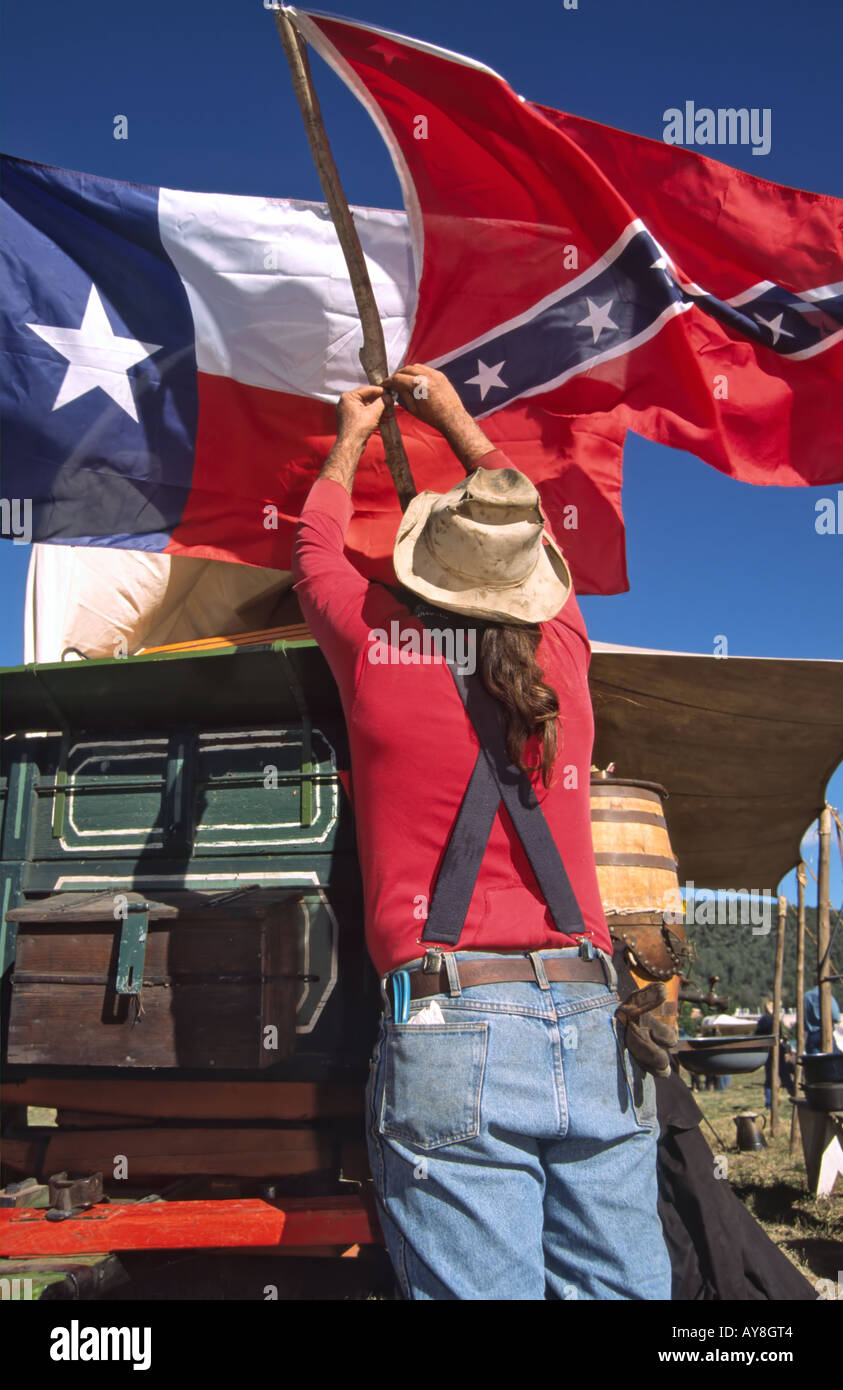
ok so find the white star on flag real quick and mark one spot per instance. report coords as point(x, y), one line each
point(597, 318)
point(775, 327)
point(486, 378)
point(97, 357)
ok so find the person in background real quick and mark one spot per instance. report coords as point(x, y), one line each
point(764, 1028)
point(717, 1083)
point(813, 1024)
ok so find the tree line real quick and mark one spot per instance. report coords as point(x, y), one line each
point(746, 963)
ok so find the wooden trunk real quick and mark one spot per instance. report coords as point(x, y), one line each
point(167, 1099)
point(217, 991)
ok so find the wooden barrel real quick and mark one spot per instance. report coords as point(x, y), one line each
point(636, 866)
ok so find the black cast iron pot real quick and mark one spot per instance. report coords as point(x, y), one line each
point(827, 1095)
point(819, 1068)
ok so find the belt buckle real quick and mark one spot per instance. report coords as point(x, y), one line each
point(432, 963)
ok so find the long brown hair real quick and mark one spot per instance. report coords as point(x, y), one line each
point(508, 668)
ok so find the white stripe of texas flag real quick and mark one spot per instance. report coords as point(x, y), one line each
point(269, 292)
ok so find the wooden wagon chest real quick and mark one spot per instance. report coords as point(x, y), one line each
point(183, 979)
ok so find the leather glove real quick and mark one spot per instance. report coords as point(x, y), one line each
point(650, 1040)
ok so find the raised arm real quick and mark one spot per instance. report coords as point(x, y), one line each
point(429, 396)
point(330, 589)
point(358, 413)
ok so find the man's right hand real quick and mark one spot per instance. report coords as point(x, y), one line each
point(429, 396)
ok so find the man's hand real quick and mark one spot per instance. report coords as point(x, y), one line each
point(429, 396)
point(358, 414)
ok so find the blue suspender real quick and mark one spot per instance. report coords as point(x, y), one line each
point(494, 778)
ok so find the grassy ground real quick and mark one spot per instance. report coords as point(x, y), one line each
point(772, 1182)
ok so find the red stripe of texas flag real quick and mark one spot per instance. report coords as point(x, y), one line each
point(245, 430)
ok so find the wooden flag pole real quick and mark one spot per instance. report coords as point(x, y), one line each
point(777, 1017)
point(373, 351)
point(824, 931)
point(800, 991)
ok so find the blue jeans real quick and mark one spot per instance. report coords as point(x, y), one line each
point(513, 1147)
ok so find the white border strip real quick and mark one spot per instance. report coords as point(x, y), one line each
point(302, 18)
point(348, 76)
point(811, 297)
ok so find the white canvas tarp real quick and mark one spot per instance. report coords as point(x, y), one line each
point(90, 601)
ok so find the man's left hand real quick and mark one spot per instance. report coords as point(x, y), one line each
point(358, 413)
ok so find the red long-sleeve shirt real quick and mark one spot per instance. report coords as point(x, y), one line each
point(413, 749)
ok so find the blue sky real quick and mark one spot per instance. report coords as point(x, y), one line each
point(207, 96)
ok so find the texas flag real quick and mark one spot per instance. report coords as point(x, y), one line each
point(570, 269)
point(171, 363)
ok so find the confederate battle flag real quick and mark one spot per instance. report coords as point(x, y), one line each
point(567, 269)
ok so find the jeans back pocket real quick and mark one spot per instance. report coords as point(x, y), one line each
point(432, 1083)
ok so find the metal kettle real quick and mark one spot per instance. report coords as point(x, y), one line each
point(749, 1136)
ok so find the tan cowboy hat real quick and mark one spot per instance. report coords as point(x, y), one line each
point(481, 549)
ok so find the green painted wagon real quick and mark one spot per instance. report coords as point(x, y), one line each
point(185, 981)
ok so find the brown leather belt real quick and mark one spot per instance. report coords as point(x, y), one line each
point(492, 972)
